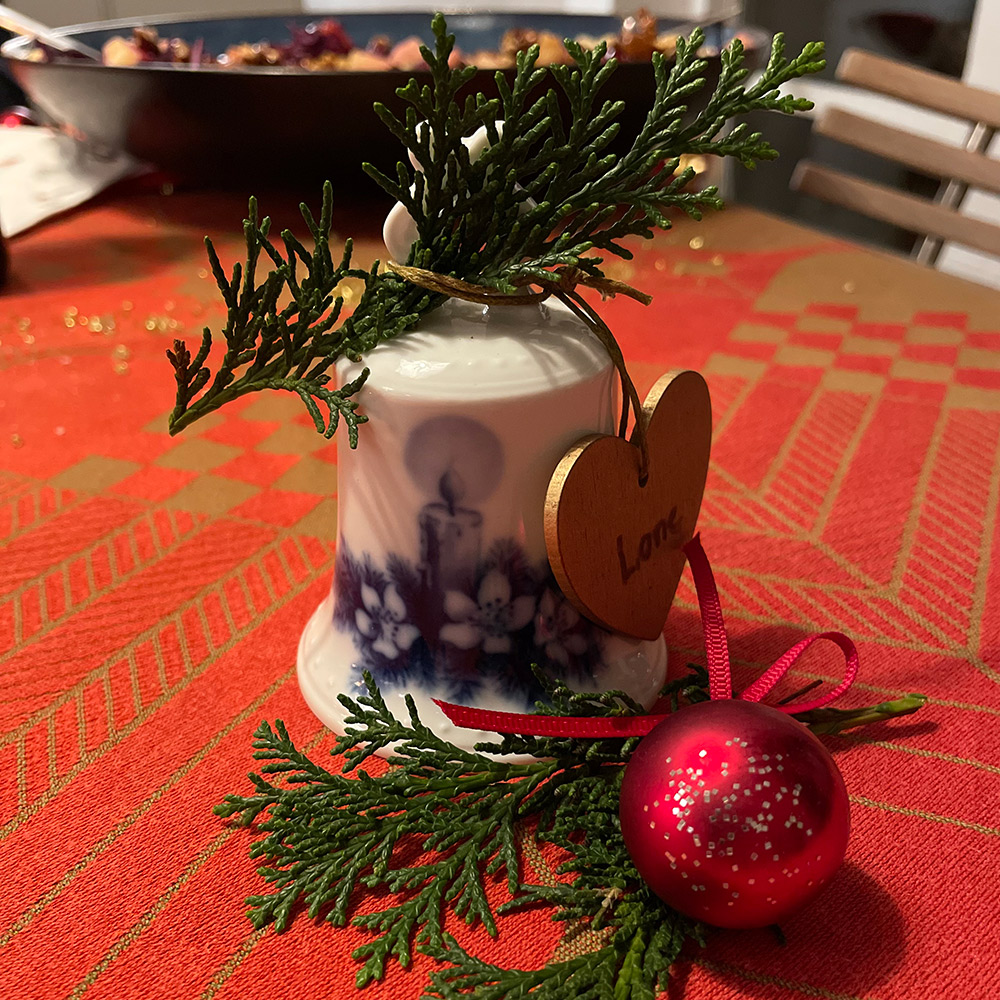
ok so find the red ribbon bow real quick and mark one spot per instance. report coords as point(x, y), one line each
point(719, 682)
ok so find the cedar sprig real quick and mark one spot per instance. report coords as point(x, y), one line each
point(292, 346)
point(543, 201)
point(830, 721)
point(328, 836)
point(545, 193)
point(270, 346)
point(633, 964)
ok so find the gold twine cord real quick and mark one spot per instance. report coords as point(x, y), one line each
point(563, 286)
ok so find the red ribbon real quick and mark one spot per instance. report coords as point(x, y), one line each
point(719, 682)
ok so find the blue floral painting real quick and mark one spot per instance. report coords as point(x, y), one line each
point(409, 632)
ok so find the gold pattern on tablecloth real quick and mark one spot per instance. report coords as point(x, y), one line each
point(854, 484)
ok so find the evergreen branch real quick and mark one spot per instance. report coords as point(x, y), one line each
point(339, 402)
point(545, 195)
point(826, 721)
point(327, 835)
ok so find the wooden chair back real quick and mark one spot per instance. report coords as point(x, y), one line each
point(959, 168)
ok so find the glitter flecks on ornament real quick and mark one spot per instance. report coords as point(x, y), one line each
point(734, 813)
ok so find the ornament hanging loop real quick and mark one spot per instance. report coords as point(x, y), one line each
point(717, 645)
point(720, 683)
point(630, 395)
point(563, 286)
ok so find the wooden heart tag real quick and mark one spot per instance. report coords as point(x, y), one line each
point(615, 545)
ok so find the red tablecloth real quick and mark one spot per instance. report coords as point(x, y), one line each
point(152, 590)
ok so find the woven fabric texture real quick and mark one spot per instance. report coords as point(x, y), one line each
point(152, 591)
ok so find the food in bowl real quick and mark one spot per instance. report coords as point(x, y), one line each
point(326, 46)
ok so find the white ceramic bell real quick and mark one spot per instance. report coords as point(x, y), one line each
point(442, 587)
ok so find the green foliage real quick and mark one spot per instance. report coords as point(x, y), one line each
point(292, 347)
point(541, 199)
point(441, 823)
point(827, 721)
point(546, 192)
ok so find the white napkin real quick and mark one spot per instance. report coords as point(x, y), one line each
point(43, 172)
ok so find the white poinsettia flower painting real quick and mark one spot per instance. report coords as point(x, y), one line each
point(557, 628)
point(489, 620)
point(383, 619)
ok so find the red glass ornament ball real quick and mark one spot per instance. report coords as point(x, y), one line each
point(734, 813)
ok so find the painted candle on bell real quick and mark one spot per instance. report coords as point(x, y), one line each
point(451, 539)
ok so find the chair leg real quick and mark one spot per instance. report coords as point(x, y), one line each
point(951, 195)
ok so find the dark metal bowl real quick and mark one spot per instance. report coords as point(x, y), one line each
point(272, 125)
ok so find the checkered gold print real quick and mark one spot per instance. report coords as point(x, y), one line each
point(152, 590)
